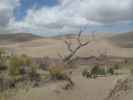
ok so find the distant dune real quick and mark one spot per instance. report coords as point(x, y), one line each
point(17, 37)
point(67, 36)
point(123, 40)
point(36, 46)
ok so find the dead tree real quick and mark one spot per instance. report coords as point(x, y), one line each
point(72, 50)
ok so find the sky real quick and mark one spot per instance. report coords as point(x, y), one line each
point(51, 17)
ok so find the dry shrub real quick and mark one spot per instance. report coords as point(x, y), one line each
point(3, 59)
point(26, 60)
point(2, 54)
point(121, 86)
point(33, 74)
point(57, 72)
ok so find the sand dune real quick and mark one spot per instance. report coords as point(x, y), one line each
point(52, 47)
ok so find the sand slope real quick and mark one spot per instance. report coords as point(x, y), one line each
point(52, 47)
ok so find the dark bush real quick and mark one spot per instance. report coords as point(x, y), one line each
point(96, 70)
point(3, 59)
point(116, 66)
point(33, 74)
point(111, 71)
point(86, 73)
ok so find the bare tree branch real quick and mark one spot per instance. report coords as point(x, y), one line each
point(60, 56)
point(69, 45)
point(72, 51)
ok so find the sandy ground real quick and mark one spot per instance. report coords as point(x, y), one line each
point(128, 96)
point(84, 89)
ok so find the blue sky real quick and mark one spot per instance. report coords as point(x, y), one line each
point(21, 11)
point(50, 17)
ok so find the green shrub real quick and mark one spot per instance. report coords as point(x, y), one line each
point(131, 71)
point(17, 63)
point(110, 71)
point(101, 71)
point(96, 70)
point(14, 66)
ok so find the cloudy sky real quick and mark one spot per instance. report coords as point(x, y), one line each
point(48, 17)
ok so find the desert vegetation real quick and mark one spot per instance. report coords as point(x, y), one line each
point(22, 69)
point(16, 69)
point(69, 72)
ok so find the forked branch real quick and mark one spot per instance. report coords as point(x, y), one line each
point(72, 50)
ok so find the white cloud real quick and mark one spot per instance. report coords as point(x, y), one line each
point(6, 13)
point(69, 15)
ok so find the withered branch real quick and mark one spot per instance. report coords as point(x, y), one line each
point(73, 50)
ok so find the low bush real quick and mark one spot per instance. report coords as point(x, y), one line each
point(26, 60)
point(3, 59)
point(2, 54)
point(86, 73)
point(21, 68)
point(33, 74)
point(116, 66)
point(110, 71)
point(96, 70)
point(14, 66)
point(131, 71)
point(57, 73)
